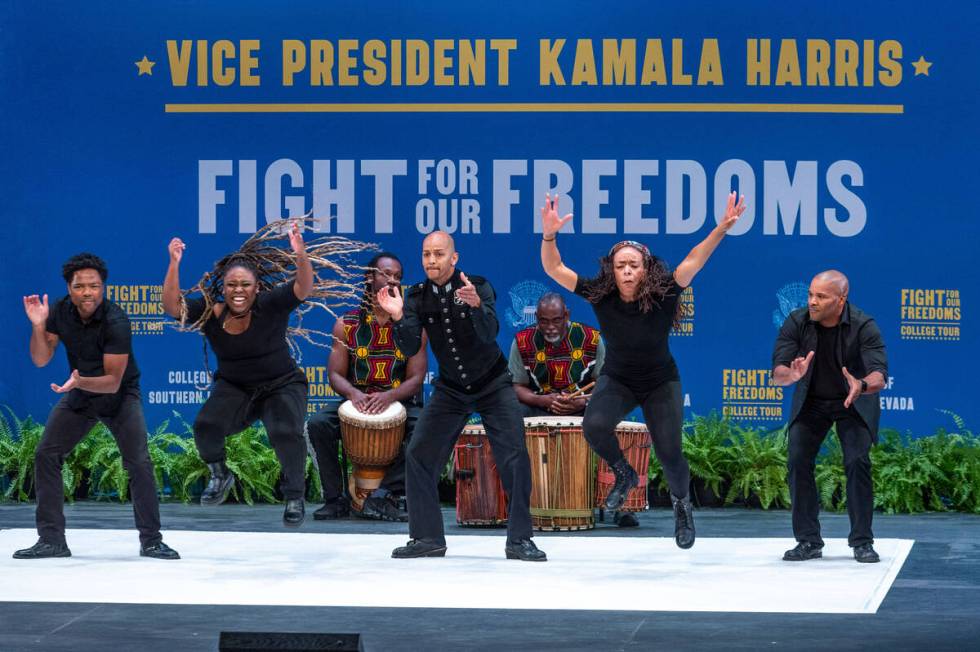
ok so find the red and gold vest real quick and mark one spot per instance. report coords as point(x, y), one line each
point(565, 365)
point(375, 362)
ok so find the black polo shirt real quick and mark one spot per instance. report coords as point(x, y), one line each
point(108, 331)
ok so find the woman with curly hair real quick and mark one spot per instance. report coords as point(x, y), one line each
point(635, 299)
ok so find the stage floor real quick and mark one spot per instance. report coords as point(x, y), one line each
point(605, 589)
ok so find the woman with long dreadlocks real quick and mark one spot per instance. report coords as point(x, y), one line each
point(635, 299)
point(256, 375)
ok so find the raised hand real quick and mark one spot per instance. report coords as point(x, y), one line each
point(732, 212)
point(799, 366)
point(296, 238)
point(69, 384)
point(550, 222)
point(467, 294)
point(853, 387)
point(36, 309)
point(391, 301)
point(176, 250)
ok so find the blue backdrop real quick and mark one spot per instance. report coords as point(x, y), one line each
point(851, 129)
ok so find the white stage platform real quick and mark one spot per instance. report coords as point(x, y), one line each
point(356, 570)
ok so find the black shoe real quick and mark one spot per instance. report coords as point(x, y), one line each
point(683, 521)
point(382, 507)
point(805, 550)
point(43, 550)
point(159, 550)
point(333, 509)
point(525, 550)
point(294, 513)
point(626, 479)
point(625, 519)
point(419, 548)
point(219, 484)
point(866, 554)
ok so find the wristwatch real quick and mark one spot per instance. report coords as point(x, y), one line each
point(864, 386)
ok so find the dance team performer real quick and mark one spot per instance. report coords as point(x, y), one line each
point(103, 387)
point(833, 352)
point(459, 316)
point(635, 299)
point(245, 319)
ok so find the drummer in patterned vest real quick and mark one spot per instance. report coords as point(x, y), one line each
point(367, 368)
point(553, 359)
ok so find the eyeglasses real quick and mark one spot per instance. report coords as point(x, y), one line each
point(629, 243)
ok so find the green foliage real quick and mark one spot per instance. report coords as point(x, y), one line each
point(939, 472)
point(756, 463)
point(706, 441)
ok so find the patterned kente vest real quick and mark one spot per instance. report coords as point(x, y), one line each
point(375, 362)
point(564, 365)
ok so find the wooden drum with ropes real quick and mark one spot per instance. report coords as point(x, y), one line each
point(562, 481)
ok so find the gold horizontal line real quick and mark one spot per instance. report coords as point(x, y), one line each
point(536, 107)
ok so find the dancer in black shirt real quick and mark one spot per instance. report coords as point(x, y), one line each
point(635, 301)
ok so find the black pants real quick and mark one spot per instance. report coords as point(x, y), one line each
point(663, 411)
point(324, 430)
point(806, 434)
point(442, 419)
point(66, 426)
point(281, 406)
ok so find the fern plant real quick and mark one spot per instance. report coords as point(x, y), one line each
point(757, 463)
point(17, 449)
point(705, 442)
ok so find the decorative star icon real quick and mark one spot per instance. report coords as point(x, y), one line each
point(921, 66)
point(145, 66)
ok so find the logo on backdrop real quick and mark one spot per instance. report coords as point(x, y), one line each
point(183, 387)
point(143, 304)
point(790, 297)
point(895, 403)
point(686, 326)
point(930, 314)
point(320, 391)
point(524, 303)
point(750, 394)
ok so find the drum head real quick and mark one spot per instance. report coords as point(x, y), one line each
point(553, 422)
point(632, 426)
point(395, 413)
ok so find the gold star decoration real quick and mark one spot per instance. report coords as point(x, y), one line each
point(922, 66)
point(145, 66)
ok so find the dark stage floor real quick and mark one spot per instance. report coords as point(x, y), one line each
point(934, 603)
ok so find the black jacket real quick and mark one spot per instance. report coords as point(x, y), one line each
point(463, 339)
point(861, 350)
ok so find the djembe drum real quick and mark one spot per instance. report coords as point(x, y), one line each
point(372, 442)
point(480, 497)
point(634, 440)
point(562, 485)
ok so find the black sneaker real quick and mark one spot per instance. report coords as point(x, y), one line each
point(626, 479)
point(43, 550)
point(219, 484)
point(804, 550)
point(525, 550)
point(382, 508)
point(294, 513)
point(866, 554)
point(333, 509)
point(625, 519)
point(419, 548)
point(683, 521)
point(159, 550)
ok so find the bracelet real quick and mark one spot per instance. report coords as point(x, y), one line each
point(551, 239)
